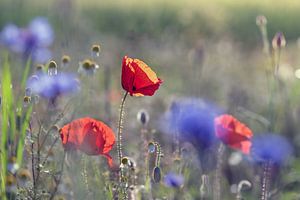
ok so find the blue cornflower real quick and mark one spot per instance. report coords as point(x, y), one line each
point(193, 119)
point(271, 147)
point(173, 180)
point(51, 87)
point(33, 40)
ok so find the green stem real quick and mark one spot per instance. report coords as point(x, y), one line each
point(265, 181)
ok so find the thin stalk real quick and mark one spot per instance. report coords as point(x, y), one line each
point(119, 146)
point(217, 193)
point(58, 180)
point(265, 180)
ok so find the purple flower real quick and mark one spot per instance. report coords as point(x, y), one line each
point(271, 147)
point(193, 119)
point(51, 87)
point(33, 40)
point(173, 180)
point(41, 30)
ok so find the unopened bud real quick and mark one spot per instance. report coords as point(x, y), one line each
point(278, 41)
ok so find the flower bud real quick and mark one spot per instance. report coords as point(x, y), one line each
point(278, 41)
point(261, 20)
point(143, 117)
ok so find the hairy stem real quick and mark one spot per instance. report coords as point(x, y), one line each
point(265, 181)
point(119, 146)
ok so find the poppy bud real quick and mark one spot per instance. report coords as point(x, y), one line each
point(143, 117)
point(96, 50)
point(52, 68)
point(261, 20)
point(65, 60)
point(278, 41)
point(156, 174)
point(151, 147)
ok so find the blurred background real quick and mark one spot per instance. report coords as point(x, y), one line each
point(206, 49)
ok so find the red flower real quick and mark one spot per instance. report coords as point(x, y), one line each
point(89, 136)
point(233, 133)
point(138, 78)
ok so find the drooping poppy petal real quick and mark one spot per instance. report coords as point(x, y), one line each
point(233, 133)
point(138, 78)
point(89, 136)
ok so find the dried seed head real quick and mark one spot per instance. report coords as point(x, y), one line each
point(52, 64)
point(143, 117)
point(278, 41)
point(52, 68)
point(23, 174)
point(125, 160)
point(87, 64)
point(27, 99)
point(88, 67)
point(261, 20)
point(39, 67)
point(10, 180)
point(28, 92)
point(65, 60)
point(96, 50)
point(156, 174)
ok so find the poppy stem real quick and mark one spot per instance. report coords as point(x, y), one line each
point(120, 126)
point(220, 152)
point(265, 180)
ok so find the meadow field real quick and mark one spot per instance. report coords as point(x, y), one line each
point(127, 99)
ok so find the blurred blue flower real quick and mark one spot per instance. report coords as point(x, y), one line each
point(271, 147)
point(40, 28)
point(51, 87)
point(173, 180)
point(193, 120)
point(33, 40)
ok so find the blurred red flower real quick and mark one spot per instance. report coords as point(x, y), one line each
point(138, 78)
point(89, 136)
point(233, 133)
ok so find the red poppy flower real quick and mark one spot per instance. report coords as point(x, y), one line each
point(89, 136)
point(233, 133)
point(138, 78)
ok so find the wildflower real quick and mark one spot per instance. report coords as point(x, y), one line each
point(233, 133)
point(194, 121)
point(32, 40)
point(271, 147)
point(51, 87)
point(278, 41)
point(89, 136)
point(138, 78)
point(173, 180)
